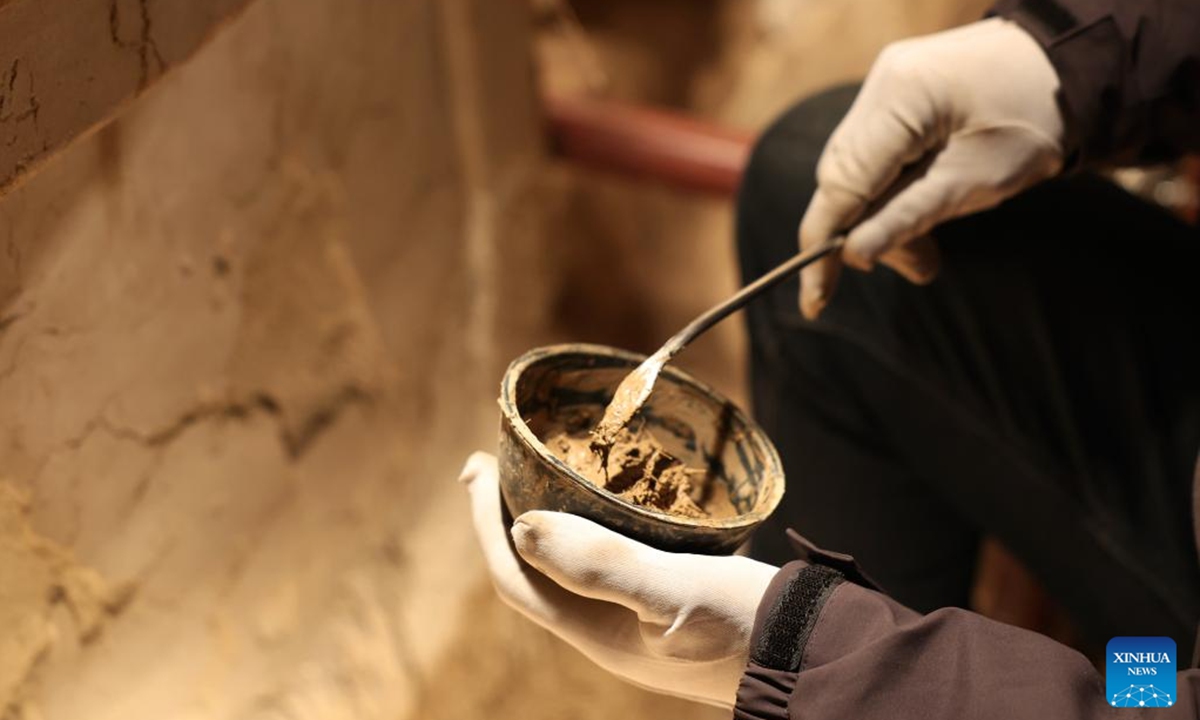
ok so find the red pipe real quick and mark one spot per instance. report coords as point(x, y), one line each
point(674, 149)
point(650, 144)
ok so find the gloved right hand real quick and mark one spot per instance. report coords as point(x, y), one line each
point(944, 126)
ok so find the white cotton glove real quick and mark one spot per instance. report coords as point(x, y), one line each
point(673, 623)
point(944, 126)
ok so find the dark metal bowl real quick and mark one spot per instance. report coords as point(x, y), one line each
point(692, 421)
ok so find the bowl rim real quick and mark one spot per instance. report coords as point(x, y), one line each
point(508, 407)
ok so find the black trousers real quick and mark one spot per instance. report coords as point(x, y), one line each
point(1044, 390)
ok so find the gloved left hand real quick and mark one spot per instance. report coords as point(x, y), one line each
point(673, 623)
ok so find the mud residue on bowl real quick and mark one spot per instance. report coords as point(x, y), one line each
point(640, 470)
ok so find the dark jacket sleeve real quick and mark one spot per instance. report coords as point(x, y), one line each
point(825, 647)
point(1130, 73)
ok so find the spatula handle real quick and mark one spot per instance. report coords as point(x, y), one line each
point(723, 309)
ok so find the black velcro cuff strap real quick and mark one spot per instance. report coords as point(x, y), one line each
point(1046, 20)
point(791, 618)
point(1054, 19)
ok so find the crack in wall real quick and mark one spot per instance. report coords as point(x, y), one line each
point(22, 341)
point(114, 24)
point(148, 45)
point(9, 319)
point(144, 44)
point(34, 105)
point(14, 255)
point(295, 444)
point(8, 98)
point(295, 441)
point(316, 422)
point(166, 434)
point(12, 79)
point(11, 369)
point(40, 575)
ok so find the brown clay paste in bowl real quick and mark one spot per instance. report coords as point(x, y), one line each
point(638, 469)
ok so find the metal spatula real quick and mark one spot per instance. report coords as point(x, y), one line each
point(631, 394)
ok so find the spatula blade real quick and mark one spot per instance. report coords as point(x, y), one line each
point(631, 394)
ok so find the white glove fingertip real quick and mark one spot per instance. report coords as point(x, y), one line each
point(540, 533)
point(584, 557)
point(535, 521)
point(524, 536)
point(542, 542)
point(477, 464)
point(826, 213)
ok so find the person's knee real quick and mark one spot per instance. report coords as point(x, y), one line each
point(780, 177)
point(781, 173)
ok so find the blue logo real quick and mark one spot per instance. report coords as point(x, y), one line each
point(1140, 672)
